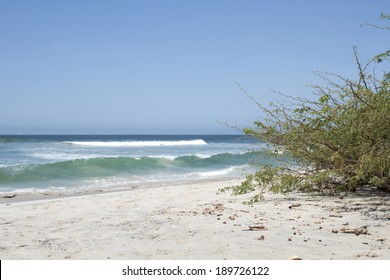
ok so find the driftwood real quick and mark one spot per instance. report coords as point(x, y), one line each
point(257, 228)
point(295, 205)
point(353, 230)
point(9, 196)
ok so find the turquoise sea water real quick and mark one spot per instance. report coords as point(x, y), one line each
point(77, 163)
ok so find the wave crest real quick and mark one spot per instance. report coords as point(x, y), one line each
point(195, 142)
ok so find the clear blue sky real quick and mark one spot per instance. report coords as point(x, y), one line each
point(132, 67)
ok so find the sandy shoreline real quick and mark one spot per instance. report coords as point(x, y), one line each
point(190, 221)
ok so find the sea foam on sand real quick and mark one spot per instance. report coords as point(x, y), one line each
point(190, 221)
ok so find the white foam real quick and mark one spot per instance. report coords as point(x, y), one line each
point(115, 144)
point(221, 172)
point(203, 156)
point(170, 157)
point(164, 157)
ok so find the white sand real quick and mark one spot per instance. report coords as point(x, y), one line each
point(190, 221)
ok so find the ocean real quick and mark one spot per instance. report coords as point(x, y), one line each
point(77, 163)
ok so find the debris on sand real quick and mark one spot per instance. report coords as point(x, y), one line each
point(9, 195)
point(257, 228)
point(294, 205)
point(354, 230)
point(294, 258)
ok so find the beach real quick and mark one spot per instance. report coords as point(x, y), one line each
point(189, 220)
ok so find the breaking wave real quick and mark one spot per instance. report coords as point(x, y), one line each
point(111, 144)
point(120, 166)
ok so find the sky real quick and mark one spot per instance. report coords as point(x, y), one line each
point(170, 67)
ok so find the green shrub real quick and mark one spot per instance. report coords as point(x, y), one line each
point(340, 140)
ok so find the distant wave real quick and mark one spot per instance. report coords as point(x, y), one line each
point(195, 142)
point(58, 156)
